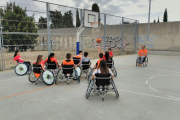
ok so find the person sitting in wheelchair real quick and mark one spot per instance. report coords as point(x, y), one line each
point(106, 55)
point(98, 62)
point(39, 61)
point(142, 55)
point(69, 61)
point(85, 59)
point(79, 56)
point(110, 52)
point(51, 58)
point(103, 68)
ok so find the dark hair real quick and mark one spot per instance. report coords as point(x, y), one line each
point(68, 55)
point(86, 54)
point(103, 67)
point(107, 55)
point(51, 55)
point(80, 52)
point(16, 53)
point(39, 59)
point(109, 48)
point(100, 55)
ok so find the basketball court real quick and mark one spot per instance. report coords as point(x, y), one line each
point(146, 93)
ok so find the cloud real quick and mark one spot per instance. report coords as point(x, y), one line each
point(141, 5)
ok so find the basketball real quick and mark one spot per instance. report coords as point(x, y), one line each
point(98, 40)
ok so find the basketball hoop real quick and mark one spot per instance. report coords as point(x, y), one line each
point(96, 26)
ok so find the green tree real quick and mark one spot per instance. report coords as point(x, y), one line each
point(42, 23)
point(17, 20)
point(158, 19)
point(165, 17)
point(56, 19)
point(95, 8)
point(77, 18)
point(68, 19)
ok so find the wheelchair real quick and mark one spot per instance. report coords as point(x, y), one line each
point(78, 68)
point(101, 85)
point(46, 76)
point(86, 69)
point(23, 68)
point(52, 66)
point(145, 61)
point(69, 73)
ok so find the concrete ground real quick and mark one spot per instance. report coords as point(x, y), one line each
point(146, 93)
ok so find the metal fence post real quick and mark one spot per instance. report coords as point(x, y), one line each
point(48, 26)
point(104, 32)
point(135, 39)
point(81, 15)
point(148, 24)
point(122, 36)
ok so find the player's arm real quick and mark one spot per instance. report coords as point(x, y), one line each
point(16, 62)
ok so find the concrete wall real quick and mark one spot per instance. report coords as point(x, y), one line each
point(163, 37)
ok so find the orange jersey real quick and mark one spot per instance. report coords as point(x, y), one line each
point(79, 56)
point(52, 59)
point(68, 62)
point(98, 62)
point(143, 52)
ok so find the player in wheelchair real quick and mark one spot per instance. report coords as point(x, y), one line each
point(67, 71)
point(40, 73)
point(102, 81)
point(22, 67)
point(77, 60)
point(52, 64)
point(142, 58)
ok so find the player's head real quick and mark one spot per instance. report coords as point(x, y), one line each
point(50, 56)
point(107, 55)
point(39, 59)
point(103, 66)
point(100, 55)
point(17, 52)
point(143, 47)
point(80, 52)
point(86, 54)
point(109, 49)
point(68, 55)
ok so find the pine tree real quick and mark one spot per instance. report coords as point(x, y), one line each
point(154, 21)
point(42, 23)
point(158, 19)
point(95, 8)
point(165, 17)
point(77, 18)
point(17, 20)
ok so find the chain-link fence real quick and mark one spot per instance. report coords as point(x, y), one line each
point(41, 28)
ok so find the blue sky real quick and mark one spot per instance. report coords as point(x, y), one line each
point(136, 9)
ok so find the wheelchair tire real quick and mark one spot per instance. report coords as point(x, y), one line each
point(59, 75)
point(31, 77)
point(115, 89)
point(75, 77)
point(147, 62)
point(90, 74)
point(21, 69)
point(79, 74)
point(136, 63)
point(48, 77)
point(114, 71)
point(89, 89)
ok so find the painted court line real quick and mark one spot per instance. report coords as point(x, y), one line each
point(173, 97)
point(153, 89)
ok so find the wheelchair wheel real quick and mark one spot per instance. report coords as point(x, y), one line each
point(77, 73)
point(115, 89)
point(90, 74)
point(136, 63)
point(21, 69)
point(59, 76)
point(114, 71)
point(48, 77)
point(147, 62)
point(32, 77)
point(89, 89)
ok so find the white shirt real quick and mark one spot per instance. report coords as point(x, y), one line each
point(98, 71)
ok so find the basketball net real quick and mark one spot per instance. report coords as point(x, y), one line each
point(94, 26)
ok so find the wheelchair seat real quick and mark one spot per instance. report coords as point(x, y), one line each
point(102, 79)
point(109, 63)
point(37, 68)
point(67, 69)
point(85, 65)
point(51, 65)
point(76, 60)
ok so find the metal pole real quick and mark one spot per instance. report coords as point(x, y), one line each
point(122, 35)
point(104, 33)
point(148, 23)
point(135, 40)
point(3, 54)
point(48, 26)
point(1, 45)
point(81, 15)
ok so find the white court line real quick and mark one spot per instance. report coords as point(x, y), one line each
point(145, 94)
point(173, 97)
point(13, 78)
point(163, 75)
point(146, 81)
point(151, 78)
point(153, 89)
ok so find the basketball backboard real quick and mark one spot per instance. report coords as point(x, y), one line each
point(89, 17)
